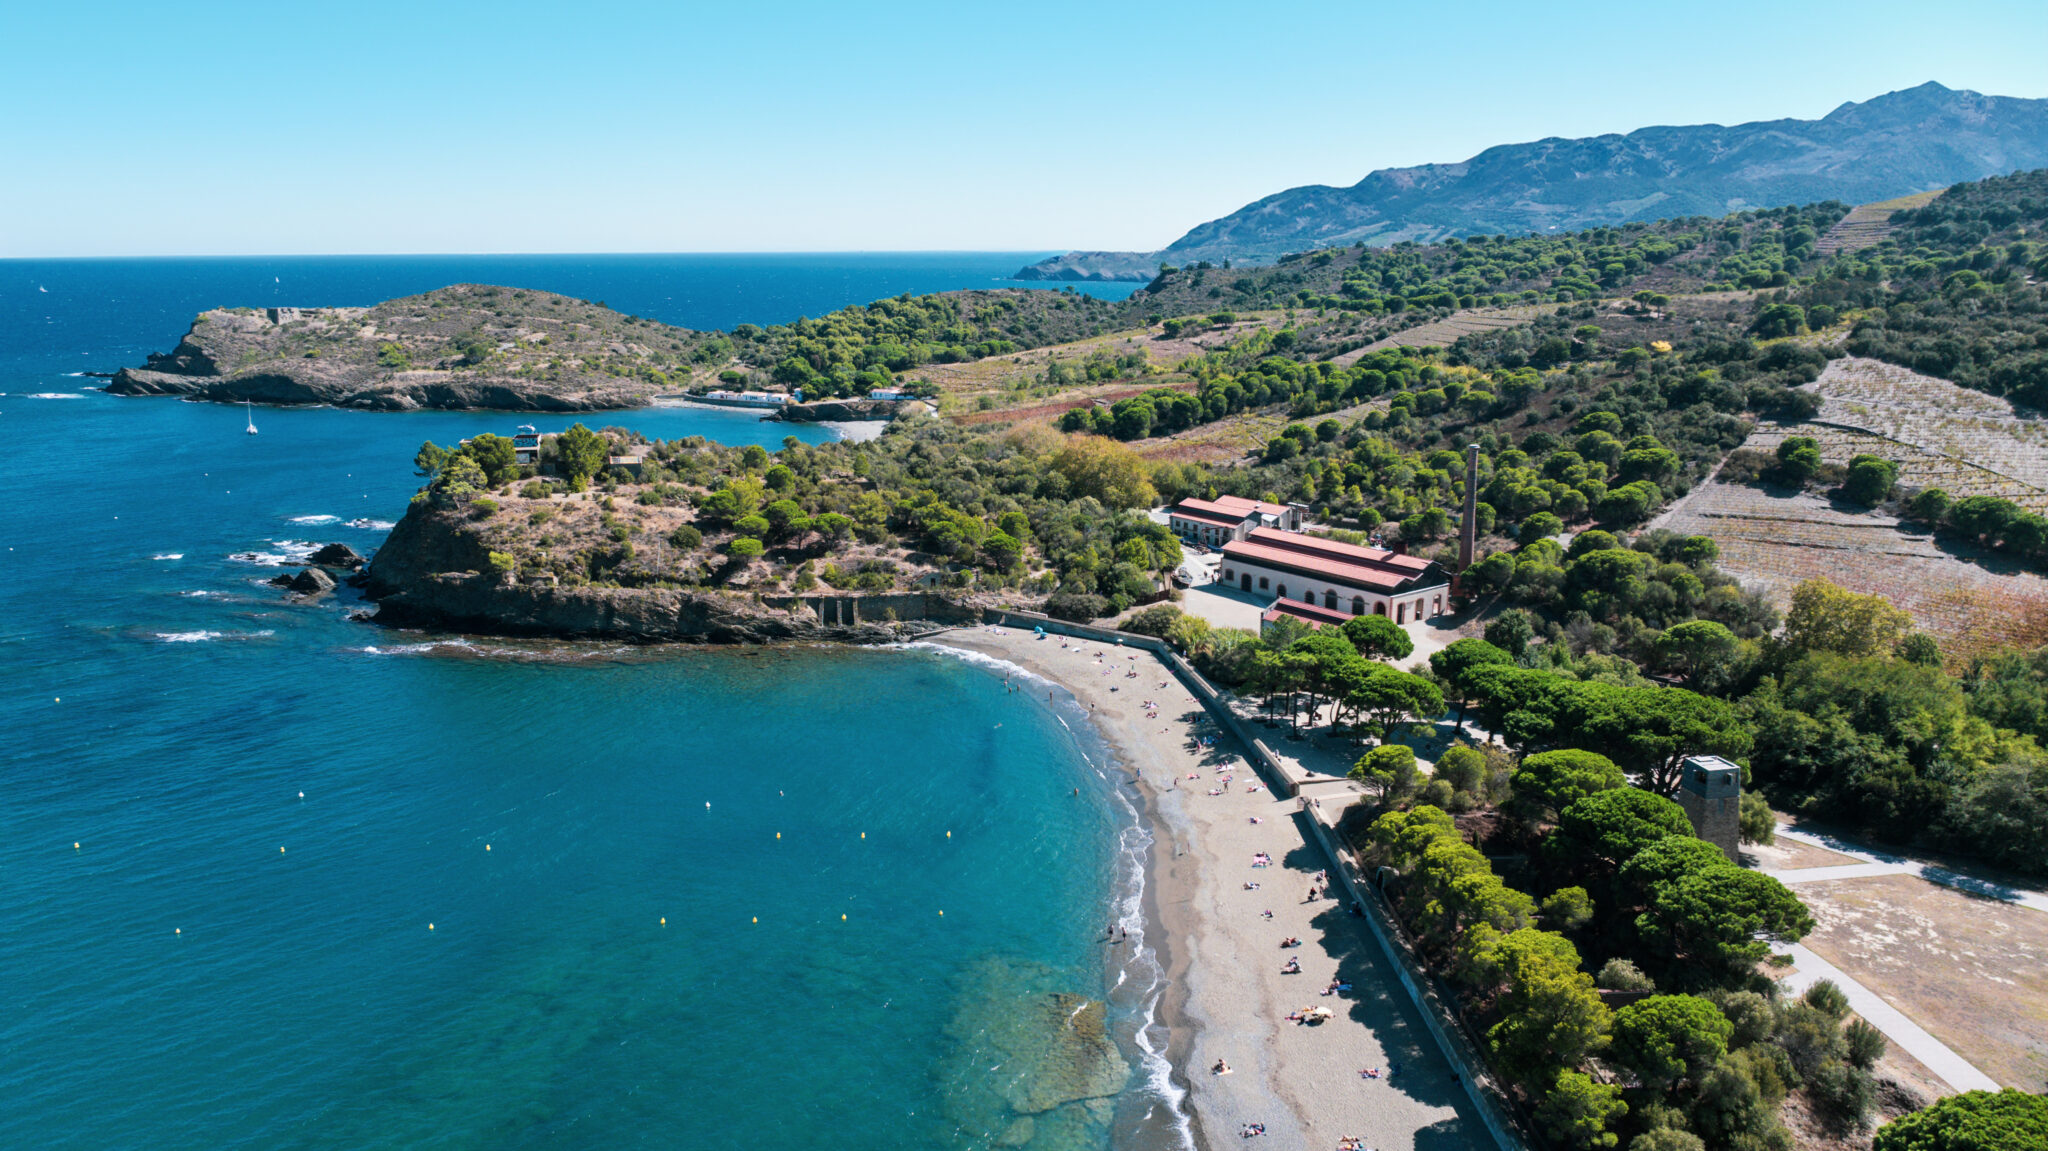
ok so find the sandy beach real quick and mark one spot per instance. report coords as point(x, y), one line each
point(1220, 937)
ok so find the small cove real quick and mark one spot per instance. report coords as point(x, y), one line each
point(222, 962)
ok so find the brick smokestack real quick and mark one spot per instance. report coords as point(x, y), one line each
point(1468, 531)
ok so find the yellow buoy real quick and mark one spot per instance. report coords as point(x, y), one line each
point(177, 931)
point(487, 847)
point(757, 919)
point(778, 835)
point(430, 927)
point(949, 835)
point(280, 851)
point(664, 921)
point(74, 845)
point(941, 913)
point(842, 916)
point(863, 835)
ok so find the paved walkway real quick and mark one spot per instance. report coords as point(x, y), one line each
point(1882, 863)
point(1955, 1070)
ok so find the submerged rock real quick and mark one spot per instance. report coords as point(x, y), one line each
point(1033, 1065)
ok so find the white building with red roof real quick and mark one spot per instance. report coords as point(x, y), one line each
point(1225, 518)
point(1335, 577)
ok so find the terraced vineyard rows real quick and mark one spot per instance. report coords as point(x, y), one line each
point(1445, 332)
point(1867, 225)
point(1774, 542)
point(1988, 447)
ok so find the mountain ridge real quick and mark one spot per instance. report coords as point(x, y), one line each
point(1913, 140)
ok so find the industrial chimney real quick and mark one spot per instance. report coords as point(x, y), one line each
point(1468, 531)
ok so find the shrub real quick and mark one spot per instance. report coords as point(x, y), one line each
point(1866, 1043)
point(745, 548)
point(1080, 608)
point(1972, 1121)
point(1155, 621)
point(686, 538)
point(1827, 999)
point(1620, 975)
point(502, 562)
point(483, 507)
point(1844, 1092)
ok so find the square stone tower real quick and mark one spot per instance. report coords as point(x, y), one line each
point(1711, 794)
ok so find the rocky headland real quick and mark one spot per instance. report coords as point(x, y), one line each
point(556, 567)
point(467, 347)
point(842, 411)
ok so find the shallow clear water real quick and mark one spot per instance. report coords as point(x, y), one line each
point(177, 980)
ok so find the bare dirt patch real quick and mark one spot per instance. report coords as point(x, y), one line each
point(1791, 855)
point(1972, 971)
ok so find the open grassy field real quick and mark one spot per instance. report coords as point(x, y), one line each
point(1972, 971)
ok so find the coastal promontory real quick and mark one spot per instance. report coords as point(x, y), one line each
point(466, 346)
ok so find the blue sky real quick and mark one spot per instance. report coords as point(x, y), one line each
point(159, 129)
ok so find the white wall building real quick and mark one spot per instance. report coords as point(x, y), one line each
point(1335, 576)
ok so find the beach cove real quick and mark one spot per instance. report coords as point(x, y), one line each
point(1226, 996)
point(277, 878)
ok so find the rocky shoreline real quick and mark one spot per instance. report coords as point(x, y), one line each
point(432, 574)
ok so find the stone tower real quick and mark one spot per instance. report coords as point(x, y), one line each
point(1711, 794)
point(1468, 529)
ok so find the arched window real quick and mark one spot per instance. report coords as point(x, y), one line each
point(1330, 600)
point(1358, 605)
point(1280, 591)
point(1308, 596)
point(1379, 607)
point(1247, 581)
point(1400, 613)
point(1262, 583)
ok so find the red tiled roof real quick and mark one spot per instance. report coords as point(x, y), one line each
point(1245, 507)
point(1338, 552)
point(1211, 508)
point(1316, 616)
point(1218, 519)
point(1338, 563)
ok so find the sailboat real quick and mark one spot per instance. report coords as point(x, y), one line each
point(250, 413)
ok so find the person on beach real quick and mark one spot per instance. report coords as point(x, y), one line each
point(1221, 1068)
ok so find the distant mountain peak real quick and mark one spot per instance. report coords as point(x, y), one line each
point(1911, 140)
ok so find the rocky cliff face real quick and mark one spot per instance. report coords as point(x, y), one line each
point(434, 572)
point(467, 346)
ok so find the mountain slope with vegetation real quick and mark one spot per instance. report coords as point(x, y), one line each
point(1902, 142)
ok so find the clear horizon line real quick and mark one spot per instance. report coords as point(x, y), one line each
point(617, 252)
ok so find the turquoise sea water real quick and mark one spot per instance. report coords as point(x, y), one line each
point(228, 822)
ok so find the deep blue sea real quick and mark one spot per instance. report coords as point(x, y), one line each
point(274, 878)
